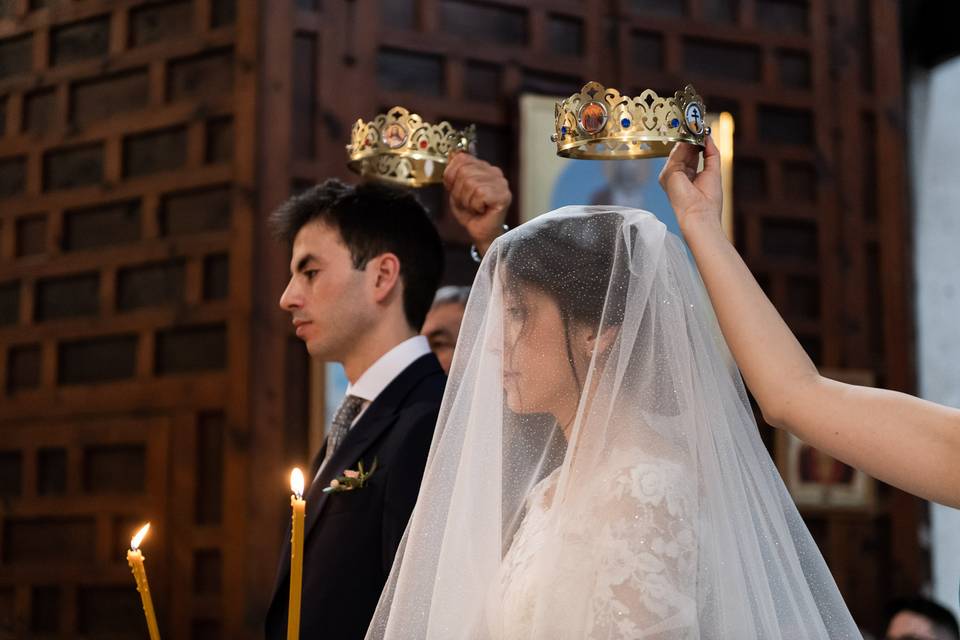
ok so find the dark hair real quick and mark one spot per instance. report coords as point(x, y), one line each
point(572, 260)
point(374, 219)
point(940, 617)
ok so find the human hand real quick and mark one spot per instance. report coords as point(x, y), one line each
point(697, 198)
point(479, 197)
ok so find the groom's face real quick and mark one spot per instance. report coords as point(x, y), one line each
point(326, 296)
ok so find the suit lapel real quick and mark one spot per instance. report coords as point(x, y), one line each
point(317, 461)
point(381, 413)
point(358, 439)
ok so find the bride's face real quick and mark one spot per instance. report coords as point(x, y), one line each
point(537, 373)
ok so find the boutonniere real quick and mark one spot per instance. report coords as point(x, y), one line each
point(351, 479)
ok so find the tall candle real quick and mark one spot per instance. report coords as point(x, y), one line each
point(135, 560)
point(299, 507)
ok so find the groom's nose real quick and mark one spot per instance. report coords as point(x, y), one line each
point(291, 298)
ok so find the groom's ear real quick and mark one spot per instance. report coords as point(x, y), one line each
point(383, 272)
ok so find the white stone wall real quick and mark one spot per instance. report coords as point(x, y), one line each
point(934, 153)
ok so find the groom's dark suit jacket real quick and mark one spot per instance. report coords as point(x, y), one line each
point(351, 537)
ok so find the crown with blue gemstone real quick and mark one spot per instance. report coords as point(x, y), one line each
point(600, 124)
point(399, 147)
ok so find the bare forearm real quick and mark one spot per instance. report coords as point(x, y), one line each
point(900, 439)
point(772, 362)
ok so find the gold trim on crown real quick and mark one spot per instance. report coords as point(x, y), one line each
point(600, 124)
point(398, 146)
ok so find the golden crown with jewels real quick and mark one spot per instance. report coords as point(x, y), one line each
point(398, 146)
point(600, 124)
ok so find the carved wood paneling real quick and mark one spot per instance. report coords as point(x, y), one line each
point(125, 243)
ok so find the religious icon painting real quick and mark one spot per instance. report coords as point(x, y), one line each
point(694, 118)
point(592, 117)
point(394, 135)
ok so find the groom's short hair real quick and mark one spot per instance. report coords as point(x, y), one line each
point(374, 219)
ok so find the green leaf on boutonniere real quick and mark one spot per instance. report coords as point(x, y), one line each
point(350, 480)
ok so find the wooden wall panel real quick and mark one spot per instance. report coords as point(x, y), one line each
point(126, 222)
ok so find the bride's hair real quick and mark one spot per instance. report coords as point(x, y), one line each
point(585, 264)
point(571, 261)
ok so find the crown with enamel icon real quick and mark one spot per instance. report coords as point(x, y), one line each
point(398, 146)
point(600, 124)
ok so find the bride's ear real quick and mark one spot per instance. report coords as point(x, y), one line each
point(599, 342)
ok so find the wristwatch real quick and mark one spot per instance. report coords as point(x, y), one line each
point(476, 254)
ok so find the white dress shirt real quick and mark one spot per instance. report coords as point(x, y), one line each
point(381, 373)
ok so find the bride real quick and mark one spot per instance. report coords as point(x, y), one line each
point(596, 470)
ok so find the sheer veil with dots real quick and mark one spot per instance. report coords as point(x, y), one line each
point(654, 512)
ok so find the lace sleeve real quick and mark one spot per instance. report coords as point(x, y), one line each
point(645, 555)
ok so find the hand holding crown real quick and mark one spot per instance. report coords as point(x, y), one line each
point(479, 197)
point(400, 147)
point(696, 197)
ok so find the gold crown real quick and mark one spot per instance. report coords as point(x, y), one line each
point(398, 146)
point(600, 124)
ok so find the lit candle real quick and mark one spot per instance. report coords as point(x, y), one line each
point(135, 559)
point(299, 506)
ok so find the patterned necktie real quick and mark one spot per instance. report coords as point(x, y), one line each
point(342, 419)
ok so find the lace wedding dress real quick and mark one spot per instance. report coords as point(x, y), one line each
point(635, 545)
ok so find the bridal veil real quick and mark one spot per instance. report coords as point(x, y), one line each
point(597, 471)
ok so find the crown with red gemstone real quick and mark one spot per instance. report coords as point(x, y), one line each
point(398, 146)
point(600, 124)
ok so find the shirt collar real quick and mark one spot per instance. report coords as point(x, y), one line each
point(391, 364)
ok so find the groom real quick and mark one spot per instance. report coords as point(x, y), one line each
point(365, 264)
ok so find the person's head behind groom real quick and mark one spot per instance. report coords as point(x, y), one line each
point(366, 261)
point(920, 618)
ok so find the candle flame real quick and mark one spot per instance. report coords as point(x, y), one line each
point(137, 539)
point(296, 481)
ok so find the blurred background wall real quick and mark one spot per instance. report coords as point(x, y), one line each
point(147, 371)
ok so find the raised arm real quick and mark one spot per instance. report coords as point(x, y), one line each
point(479, 197)
point(904, 441)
